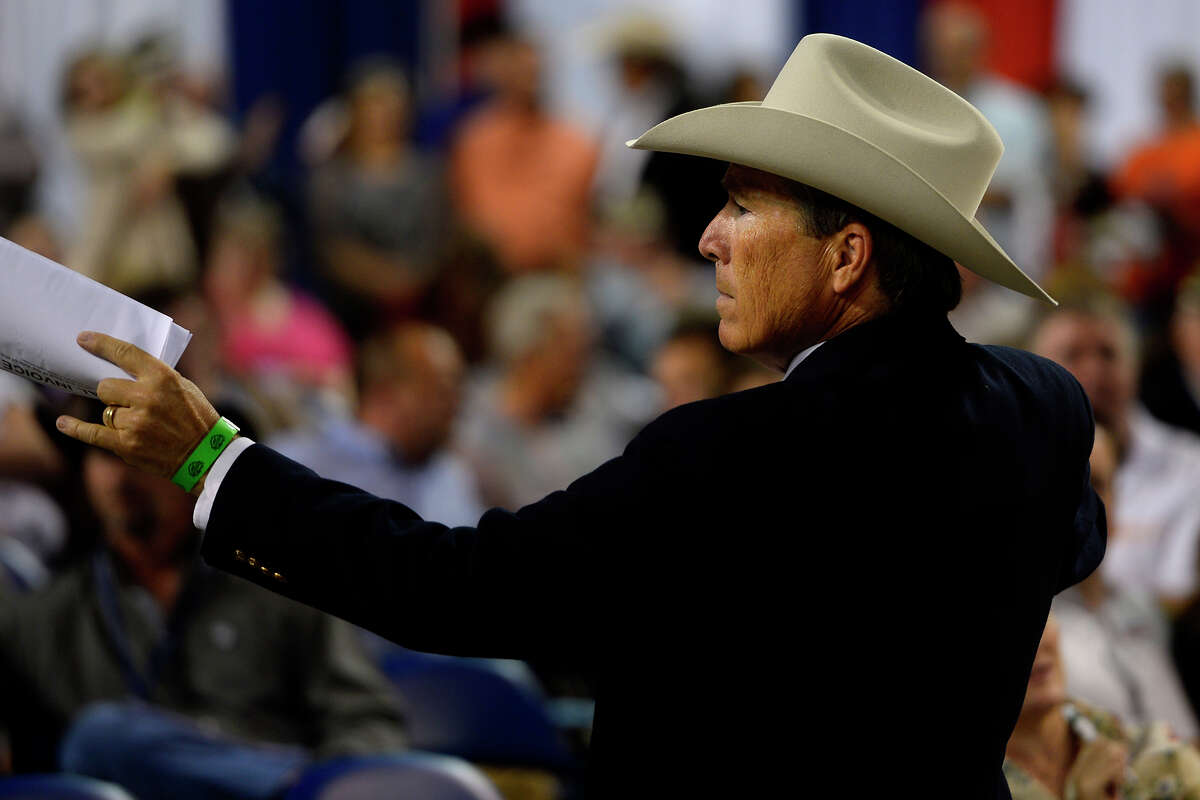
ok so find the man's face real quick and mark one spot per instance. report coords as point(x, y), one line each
point(1096, 351)
point(774, 280)
point(427, 399)
point(137, 511)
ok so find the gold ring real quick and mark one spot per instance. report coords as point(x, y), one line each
point(107, 417)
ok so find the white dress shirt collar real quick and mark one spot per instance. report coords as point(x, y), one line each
point(803, 354)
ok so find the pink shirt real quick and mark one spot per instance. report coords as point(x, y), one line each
point(307, 342)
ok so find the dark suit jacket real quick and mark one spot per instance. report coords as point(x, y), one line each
point(835, 582)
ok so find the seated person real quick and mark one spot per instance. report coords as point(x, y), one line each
point(143, 667)
point(1062, 748)
point(280, 342)
point(409, 386)
point(1115, 641)
point(32, 526)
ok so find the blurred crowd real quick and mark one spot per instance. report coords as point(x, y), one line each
point(470, 303)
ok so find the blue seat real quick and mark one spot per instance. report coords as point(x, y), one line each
point(394, 777)
point(477, 710)
point(59, 787)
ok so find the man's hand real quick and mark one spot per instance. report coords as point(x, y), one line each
point(161, 416)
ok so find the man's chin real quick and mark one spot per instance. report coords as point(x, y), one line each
point(730, 338)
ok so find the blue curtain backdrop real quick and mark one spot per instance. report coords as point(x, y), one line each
point(887, 25)
point(300, 51)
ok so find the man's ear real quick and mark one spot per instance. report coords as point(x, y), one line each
point(852, 248)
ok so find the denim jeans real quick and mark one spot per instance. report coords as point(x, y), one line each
point(159, 754)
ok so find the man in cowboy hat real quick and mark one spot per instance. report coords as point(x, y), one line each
point(849, 567)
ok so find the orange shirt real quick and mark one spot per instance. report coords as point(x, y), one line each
point(1165, 173)
point(523, 181)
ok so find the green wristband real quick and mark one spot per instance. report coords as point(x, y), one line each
point(205, 454)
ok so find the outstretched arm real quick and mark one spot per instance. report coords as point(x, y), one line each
point(517, 585)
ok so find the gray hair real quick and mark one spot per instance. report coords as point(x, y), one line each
point(520, 317)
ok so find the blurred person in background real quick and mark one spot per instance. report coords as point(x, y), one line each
point(547, 407)
point(520, 179)
point(1115, 643)
point(649, 82)
point(33, 527)
point(1062, 748)
point(1152, 547)
point(144, 667)
point(35, 234)
point(190, 105)
point(688, 189)
point(471, 80)
point(135, 231)
point(1165, 174)
point(638, 286)
point(1170, 385)
point(691, 365)
point(1017, 207)
point(379, 206)
point(281, 342)
point(409, 387)
point(1080, 190)
point(18, 167)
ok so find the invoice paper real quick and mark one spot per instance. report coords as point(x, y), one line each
point(44, 306)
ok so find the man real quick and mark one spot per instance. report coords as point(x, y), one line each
point(548, 405)
point(521, 178)
point(1018, 207)
point(410, 380)
point(1156, 523)
point(763, 581)
point(144, 667)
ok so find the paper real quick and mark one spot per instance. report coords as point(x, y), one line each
point(44, 306)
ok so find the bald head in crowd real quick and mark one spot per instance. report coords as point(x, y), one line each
point(410, 386)
point(1095, 339)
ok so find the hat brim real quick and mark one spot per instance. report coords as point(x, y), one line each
point(836, 161)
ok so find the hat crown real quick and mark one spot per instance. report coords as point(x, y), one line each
point(937, 134)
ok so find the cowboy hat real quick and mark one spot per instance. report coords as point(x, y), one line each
point(856, 123)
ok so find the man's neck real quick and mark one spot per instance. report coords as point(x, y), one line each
point(852, 317)
point(161, 578)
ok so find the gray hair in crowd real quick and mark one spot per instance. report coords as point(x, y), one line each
point(520, 317)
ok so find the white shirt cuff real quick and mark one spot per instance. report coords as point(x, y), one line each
point(212, 483)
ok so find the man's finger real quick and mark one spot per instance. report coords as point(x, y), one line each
point(117, 391)
point(125, 355)
point(89, 433)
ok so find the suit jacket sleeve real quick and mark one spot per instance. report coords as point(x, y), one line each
point(516, 585)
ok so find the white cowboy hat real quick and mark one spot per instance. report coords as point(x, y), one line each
point(856, 123)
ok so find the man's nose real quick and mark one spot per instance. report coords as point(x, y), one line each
point(714, 243)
